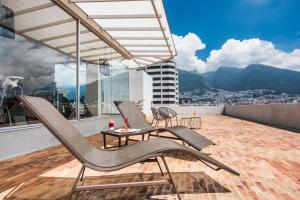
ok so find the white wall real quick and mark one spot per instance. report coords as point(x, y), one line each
point(140, 88)
point(279, 115)
point(182, 110)
point(15, 141)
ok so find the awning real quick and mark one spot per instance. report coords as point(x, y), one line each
point(140, 26)
point(135, 30)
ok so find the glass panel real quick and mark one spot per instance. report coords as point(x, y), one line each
point(115, 84)
point(29, 67)
point(89, 75)
point(89, 90)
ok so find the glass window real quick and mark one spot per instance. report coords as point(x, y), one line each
point(168, 90)
point(153, 73)
point(114, 83)
point(90, 90)
point(168, 78)
point(31, 63)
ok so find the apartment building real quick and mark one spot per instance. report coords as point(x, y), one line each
point(165, 82)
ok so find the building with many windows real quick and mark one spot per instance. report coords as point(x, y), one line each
point(165, 82)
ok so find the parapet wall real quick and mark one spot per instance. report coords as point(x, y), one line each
point(285, 116)
point(188, 110)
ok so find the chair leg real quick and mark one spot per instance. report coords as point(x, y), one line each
point(76, 181)
point(81, 179)
point(171, 179)
point(161, 171)
point(171, 122)
point(176, 120)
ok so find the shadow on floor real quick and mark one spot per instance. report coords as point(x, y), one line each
point(59, 188)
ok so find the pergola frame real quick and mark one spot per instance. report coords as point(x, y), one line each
point(149, 39)
point(151, 47)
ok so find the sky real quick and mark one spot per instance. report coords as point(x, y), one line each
point(209, 34)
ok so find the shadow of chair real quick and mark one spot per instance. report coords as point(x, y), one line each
point(59, 188)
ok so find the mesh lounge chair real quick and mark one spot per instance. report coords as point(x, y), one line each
point(136, 119)
point(109, 160)
point(157, 117)
point(169, 114)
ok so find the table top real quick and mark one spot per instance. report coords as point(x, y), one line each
point(123, 134)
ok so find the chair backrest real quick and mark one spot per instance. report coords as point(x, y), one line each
point(156, 115)
point(58, 125)
point(136, 119)
point(167, 112)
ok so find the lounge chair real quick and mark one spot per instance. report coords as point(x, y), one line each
point(168, 114)
point(157, 117)
point(109, 160)
point(136, 119)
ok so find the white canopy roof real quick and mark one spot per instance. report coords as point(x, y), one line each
point(138, 26)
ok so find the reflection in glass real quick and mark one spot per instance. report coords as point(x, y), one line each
point(29, 68)
point(115, 84)
point(89, 90)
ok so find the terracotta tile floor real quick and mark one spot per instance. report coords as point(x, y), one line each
point(267, 158)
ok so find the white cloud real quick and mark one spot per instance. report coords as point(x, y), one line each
point(235, 53)
point(187, 47)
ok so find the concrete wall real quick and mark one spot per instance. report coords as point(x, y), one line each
point(278, 115)
point(15, 141)
point(189, 110)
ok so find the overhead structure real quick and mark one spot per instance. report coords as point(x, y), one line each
point(140, 26)
point(135, 30)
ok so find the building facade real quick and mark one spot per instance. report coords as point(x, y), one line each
point(165, 82)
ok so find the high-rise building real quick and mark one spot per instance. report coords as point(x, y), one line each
point(165, 82)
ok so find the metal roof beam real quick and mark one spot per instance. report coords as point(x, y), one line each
point(74, 44)
point(139, 38)
point(45, 25)
point(147, 60)
point(149, 55)
point(137, 16)
point(149, 51)
point(99, 54)
point(111, 58)
point(161, 26)
point(90, 24)
point(145, 45)
point(91, 49)
point(63, 36)
point(133, 29)
point(32, 9)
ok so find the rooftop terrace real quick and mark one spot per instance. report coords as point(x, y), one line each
point(267, 158)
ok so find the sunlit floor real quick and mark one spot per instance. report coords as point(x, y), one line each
point(267, 158)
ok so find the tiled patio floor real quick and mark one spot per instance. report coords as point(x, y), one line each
point(267, 158)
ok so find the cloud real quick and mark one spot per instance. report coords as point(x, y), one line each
point(186, 47)
point(238, 53)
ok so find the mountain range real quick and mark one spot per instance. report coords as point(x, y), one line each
point(254, 76)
